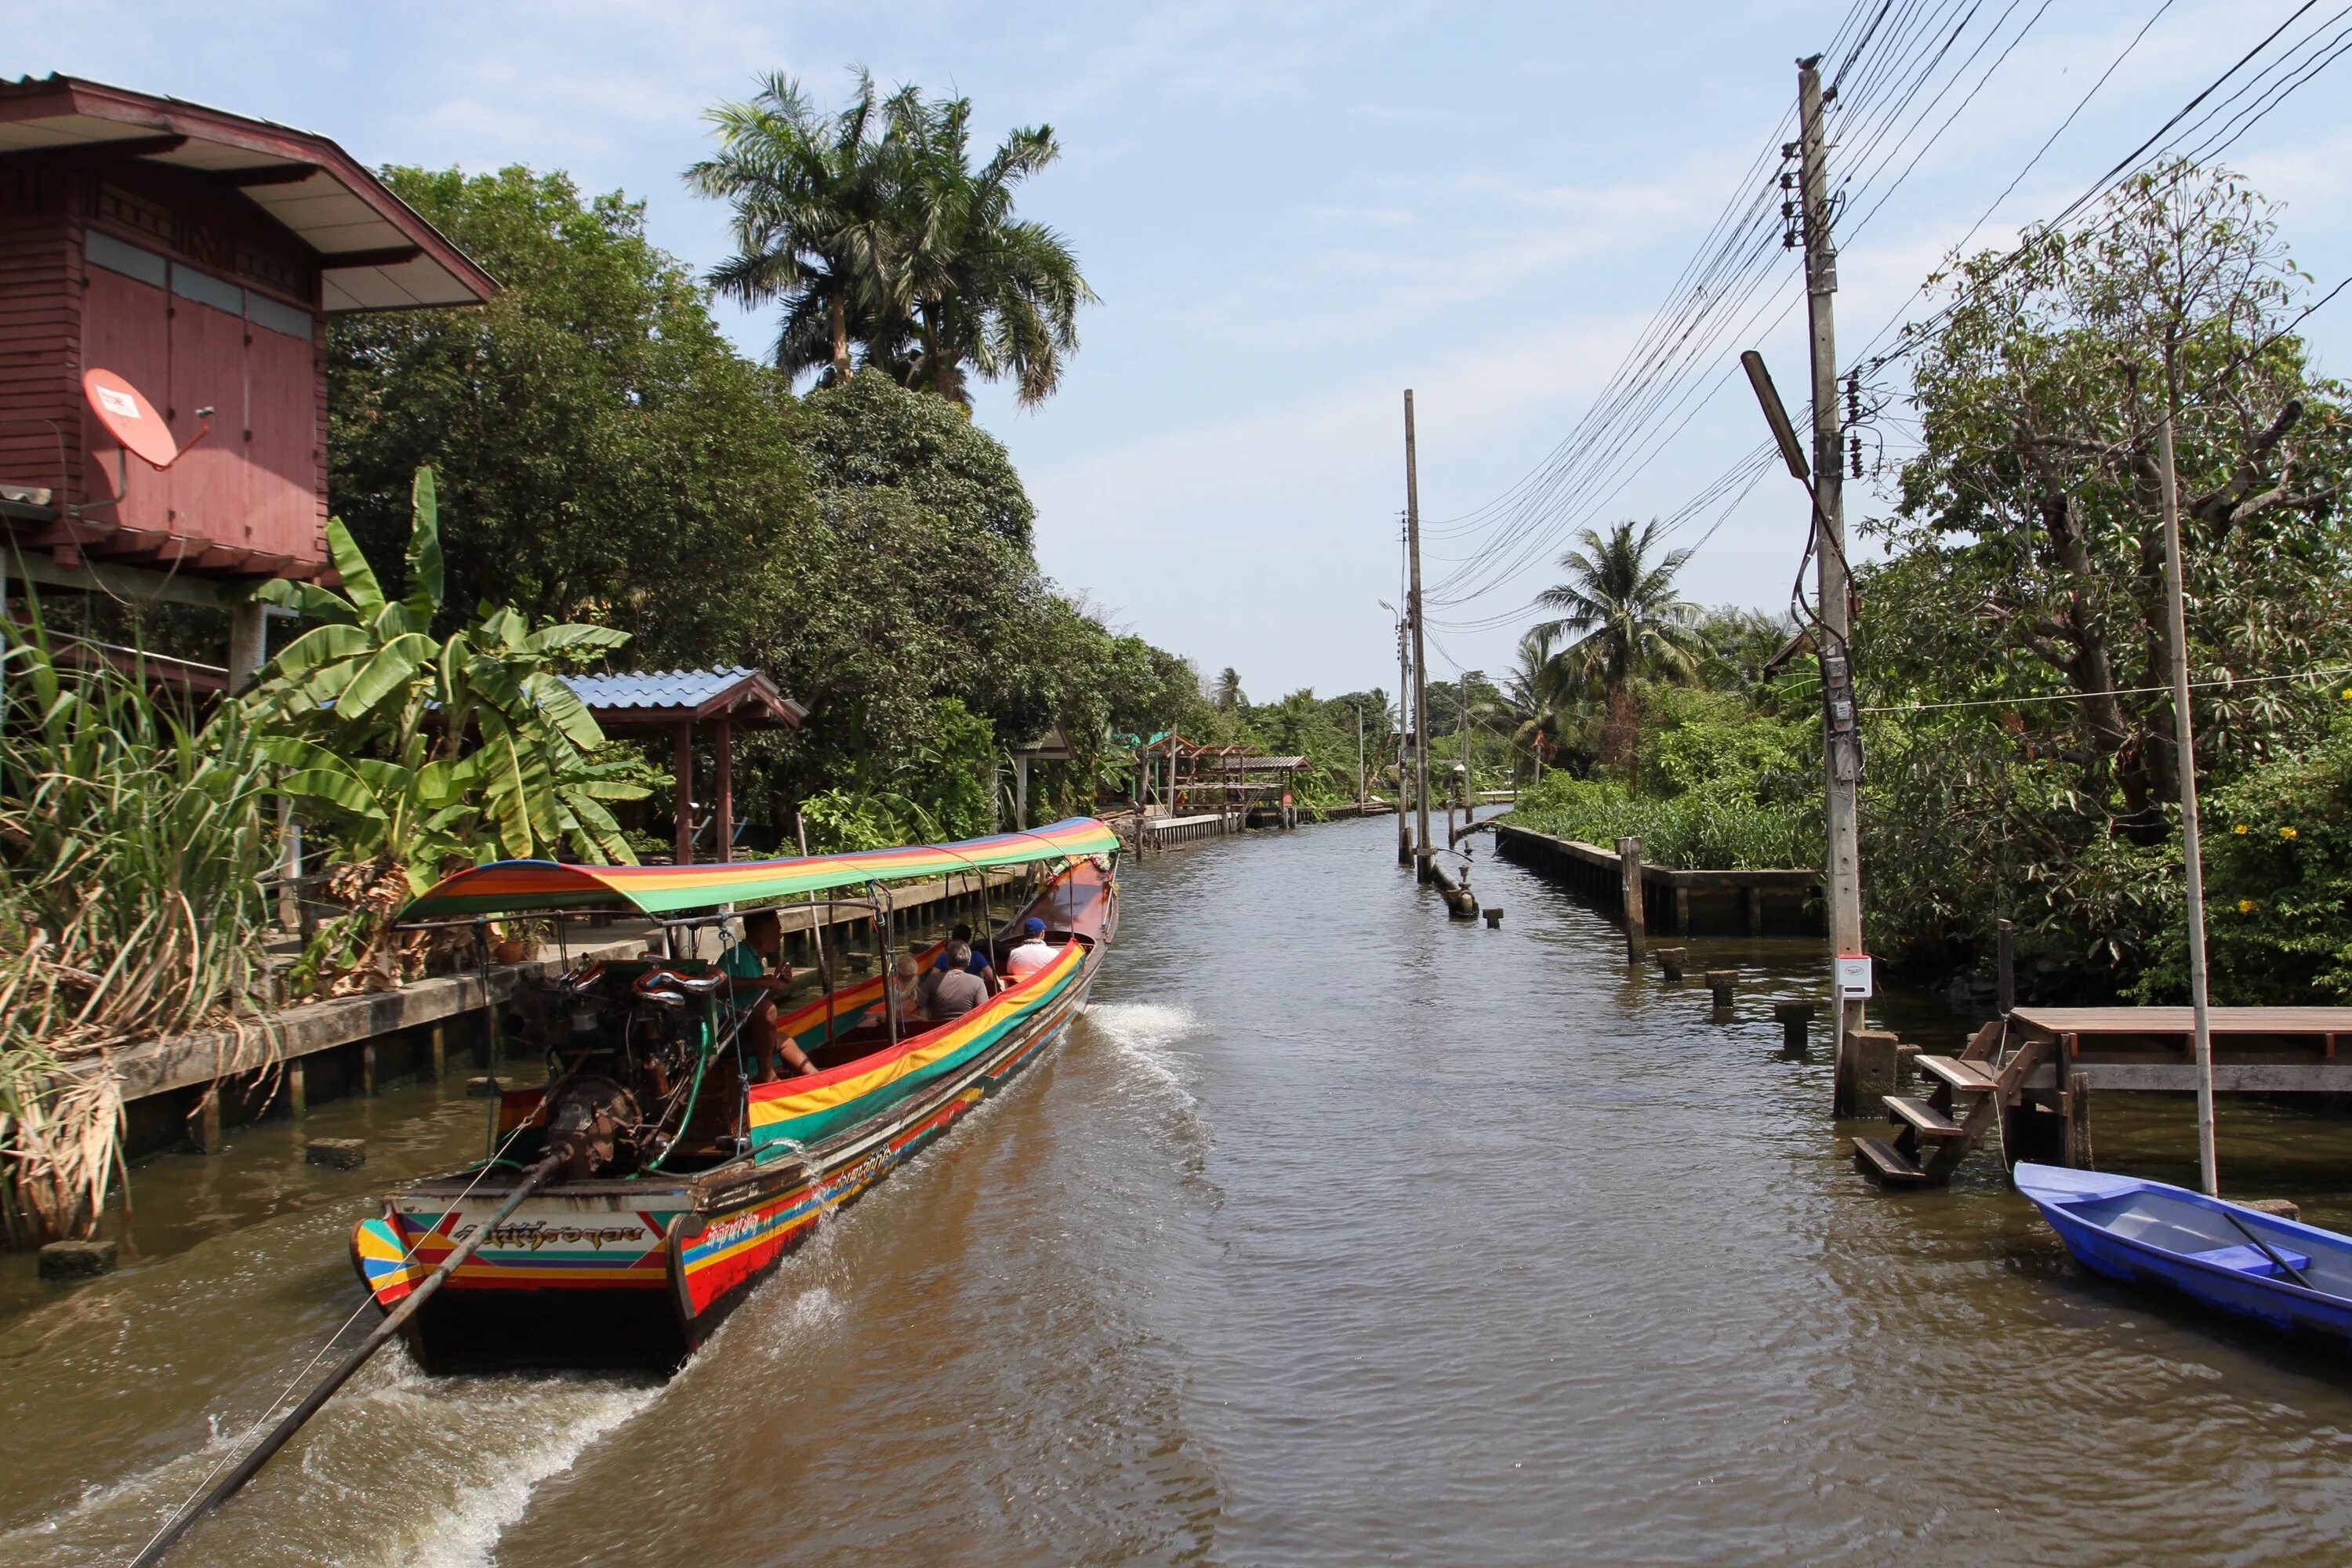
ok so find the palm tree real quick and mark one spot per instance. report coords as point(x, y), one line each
point(1539, 697)
point(1620, 606)
point(970, 284)
point(814, 218)
point(1226, 696)
point(1620, 609)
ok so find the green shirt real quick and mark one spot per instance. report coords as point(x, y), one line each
point(741, 961)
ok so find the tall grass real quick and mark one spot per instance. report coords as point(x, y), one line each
point(1701, 830)
point(131, 849)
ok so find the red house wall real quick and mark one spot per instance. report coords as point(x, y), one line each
point(200, 300)
point(39, 322)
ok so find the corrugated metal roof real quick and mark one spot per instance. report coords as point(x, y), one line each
point(687, 688)
point(1256, 764)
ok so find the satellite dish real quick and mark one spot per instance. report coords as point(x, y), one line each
point(130, 418)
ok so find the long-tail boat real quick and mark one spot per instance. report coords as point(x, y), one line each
point(658, 1180)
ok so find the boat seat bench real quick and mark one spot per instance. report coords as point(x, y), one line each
point(2247, 1259)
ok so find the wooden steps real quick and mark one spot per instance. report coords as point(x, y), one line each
point(1876, 1157)
point(1925, 1119)
point(1966, 1096)
point(1967, 1076)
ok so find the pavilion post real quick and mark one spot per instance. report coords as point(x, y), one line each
point(682, 766)
point(723, 807)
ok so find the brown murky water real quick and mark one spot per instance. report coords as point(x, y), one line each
point(1336, 1233)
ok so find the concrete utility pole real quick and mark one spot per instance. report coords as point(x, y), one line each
point(1404, 724)
point(1842, 751)
point(1419, 657)
point(1360, 757)
point(2185, 759)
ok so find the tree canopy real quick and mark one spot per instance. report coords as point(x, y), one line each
point(599, 444)
point(871, 227)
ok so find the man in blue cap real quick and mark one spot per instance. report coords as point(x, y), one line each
point(1033, 954)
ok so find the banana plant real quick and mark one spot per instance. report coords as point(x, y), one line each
point(424, 750)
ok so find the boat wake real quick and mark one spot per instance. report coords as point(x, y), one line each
point(1146, 1035)
point(471, 1451)
point(519, 1431)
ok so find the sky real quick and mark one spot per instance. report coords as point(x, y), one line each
point(1294, 212)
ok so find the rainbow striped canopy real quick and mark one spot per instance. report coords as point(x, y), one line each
point(516, 887)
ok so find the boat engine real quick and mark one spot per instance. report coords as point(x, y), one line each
point(593, 1125)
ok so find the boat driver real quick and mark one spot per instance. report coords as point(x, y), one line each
point(755, 992)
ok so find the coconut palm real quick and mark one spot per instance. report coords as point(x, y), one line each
point(1539, 697)
point(1226, 696)
point(814, 218)
point(1620, 608)
point(969, 284)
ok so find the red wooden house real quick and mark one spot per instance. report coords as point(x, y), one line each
point(198, 254)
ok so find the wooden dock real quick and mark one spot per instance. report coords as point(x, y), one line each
point(1161, 831)
point(2033, 1078)
point(1772, 902)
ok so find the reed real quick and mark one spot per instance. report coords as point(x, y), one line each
point(132, 846)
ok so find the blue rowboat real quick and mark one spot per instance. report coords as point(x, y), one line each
point(2250, 1264)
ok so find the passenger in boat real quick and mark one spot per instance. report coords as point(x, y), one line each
point(958, 990)
point(902, 998)
point(979, 965)
point(754, 992)
point(1033, 954)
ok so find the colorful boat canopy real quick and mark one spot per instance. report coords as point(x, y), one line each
point(517, 887)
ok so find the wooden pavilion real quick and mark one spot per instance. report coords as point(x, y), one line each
point(677, 701)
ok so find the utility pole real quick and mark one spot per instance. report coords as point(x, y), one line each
point(1360, 758)
point(1468, 782)
point(1420, 656)
point(1842, 749)
point(1405, 723)
point(2185, 760)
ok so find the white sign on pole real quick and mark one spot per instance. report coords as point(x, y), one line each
point(1854, 976)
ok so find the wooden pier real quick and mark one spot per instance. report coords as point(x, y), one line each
point(1772, 902)
point(1161, 831)
point(2031, 1078)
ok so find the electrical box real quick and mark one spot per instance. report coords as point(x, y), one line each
point(1854, 976)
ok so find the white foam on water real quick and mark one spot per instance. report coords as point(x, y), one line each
point(552, 1422)
point(1146, 1035)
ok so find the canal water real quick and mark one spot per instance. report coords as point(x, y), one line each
point(1338, 1232)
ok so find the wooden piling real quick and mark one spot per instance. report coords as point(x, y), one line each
point(1720, 981)
point(1670, 963)
point(2076, 1107)
point(2005, 967)
point(1629, 868)
point(438, 1049)
point(205, 1125)
point(297, 1087)
point(367, 1068)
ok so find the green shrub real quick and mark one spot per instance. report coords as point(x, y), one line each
point(2278, 886)
point(1716, 829)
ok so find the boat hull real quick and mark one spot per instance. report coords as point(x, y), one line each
point(641, 1271)
point(2232, 1275)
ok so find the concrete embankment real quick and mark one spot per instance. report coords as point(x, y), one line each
point(1772, 902)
